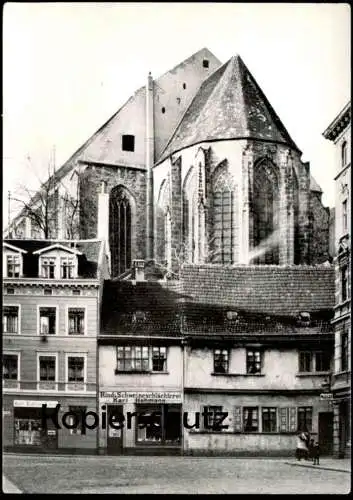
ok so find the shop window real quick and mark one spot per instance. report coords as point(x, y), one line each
point(76, 317)
point(269, 419)
point(149, 428)
point(253, 361)
point(47, 320)
point(305, 418)
point(13, 266)
point(48, 267)
point(344, 351)
point(10, 369)
point(250, 419)
point(77, 420)
point(133, 358)
point(128, 143)
point(344, 282)
point(28, 431)
point(67, 268)
point(159, 424)
point(159, 359)
point(214, 417)
point(221, 361)
point(10, 319)
point(75, 372)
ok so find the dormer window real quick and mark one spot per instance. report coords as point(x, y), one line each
point(12, 261)
point(67, 267)
point(48, 268)
point(13, 266)
point(58, 262)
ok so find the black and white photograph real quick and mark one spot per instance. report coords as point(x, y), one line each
point(176, 287)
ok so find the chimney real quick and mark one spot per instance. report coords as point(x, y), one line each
point(139, 269)
point(103, 213)
point(149, 166)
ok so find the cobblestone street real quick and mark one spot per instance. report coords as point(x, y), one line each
point(82, 474)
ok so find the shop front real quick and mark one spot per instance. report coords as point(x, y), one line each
point(24, 428)
point(141, 422)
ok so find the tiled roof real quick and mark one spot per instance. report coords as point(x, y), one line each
point(156, 307)
point(87, 263)
point(273, 290)
point(228, 105)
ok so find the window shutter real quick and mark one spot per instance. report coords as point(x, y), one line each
point(283, 419)
point(238, 424)
point(292, 419)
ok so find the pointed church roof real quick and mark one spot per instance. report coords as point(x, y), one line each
point(228, 105)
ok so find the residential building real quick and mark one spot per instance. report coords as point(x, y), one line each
point(51, 312)
point(339, 132)
point(255, 343)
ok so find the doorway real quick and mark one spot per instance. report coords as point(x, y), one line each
point(114, 436)
point(326, 433)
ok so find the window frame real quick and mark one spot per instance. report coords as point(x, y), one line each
point(128, 137)
point(269, 408)
point(344, 281)
point(215, 409)
point(18, 319)
point(67, 383)
point(345, 216)
point(54, 355)
point(159, 347)
point(73, 267)
point(344, 156)
point(226, 361)
point(41, 267)
point(254, 350)
point(247, 408)
point(12, 255)
point(47, 306)
point(67, 322)
point(133, 358)
point(344, 359)
point(18, 379)
point(305, 408)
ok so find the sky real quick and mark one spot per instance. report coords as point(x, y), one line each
point(68, 67)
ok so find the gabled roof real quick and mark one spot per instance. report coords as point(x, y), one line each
point(228, 105)
point(12, 247)
point(276, 290)
point(59, 246)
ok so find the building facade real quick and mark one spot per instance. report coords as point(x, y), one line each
point(339, 132)
point(186, 353)
point(51, 312)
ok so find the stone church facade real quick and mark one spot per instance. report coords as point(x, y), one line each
point(197, 167)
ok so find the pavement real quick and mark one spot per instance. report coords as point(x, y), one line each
point(184, 475)
point(326, 463)
point(8, 486)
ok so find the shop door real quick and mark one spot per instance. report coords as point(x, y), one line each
point(114, 436)
point(326, 433)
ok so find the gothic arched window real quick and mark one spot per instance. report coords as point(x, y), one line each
point(164, 224)
point(120, 215)
point(265, 212)
point(223, 217)
point(190, 215)
point(296, 219)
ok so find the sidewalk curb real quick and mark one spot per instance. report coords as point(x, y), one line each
point(318, 467)
point(8, 486)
